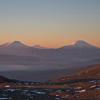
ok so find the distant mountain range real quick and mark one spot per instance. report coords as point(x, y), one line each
point(18, 56)
point(79, 54)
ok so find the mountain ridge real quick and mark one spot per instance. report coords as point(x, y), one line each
point(22, 57)
point(78, 43)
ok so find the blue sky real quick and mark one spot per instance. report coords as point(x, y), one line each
point(50, 22)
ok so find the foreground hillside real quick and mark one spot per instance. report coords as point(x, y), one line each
point(84, 85)
point(93, 70)
point(90, 72)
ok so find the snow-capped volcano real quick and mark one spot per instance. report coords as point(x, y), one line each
point(82, 44)
point(15, 48)
point(17, 44)
point(79, 44)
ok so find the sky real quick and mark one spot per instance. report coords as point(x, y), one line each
point(50, 23)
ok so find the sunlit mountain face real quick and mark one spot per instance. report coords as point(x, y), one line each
point(28, 60)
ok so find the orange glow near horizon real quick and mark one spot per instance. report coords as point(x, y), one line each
point(50, 23)
point(46, 42)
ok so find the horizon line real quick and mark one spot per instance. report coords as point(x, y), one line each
point(30, 45)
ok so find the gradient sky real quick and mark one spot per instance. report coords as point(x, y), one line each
point(50, 23)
